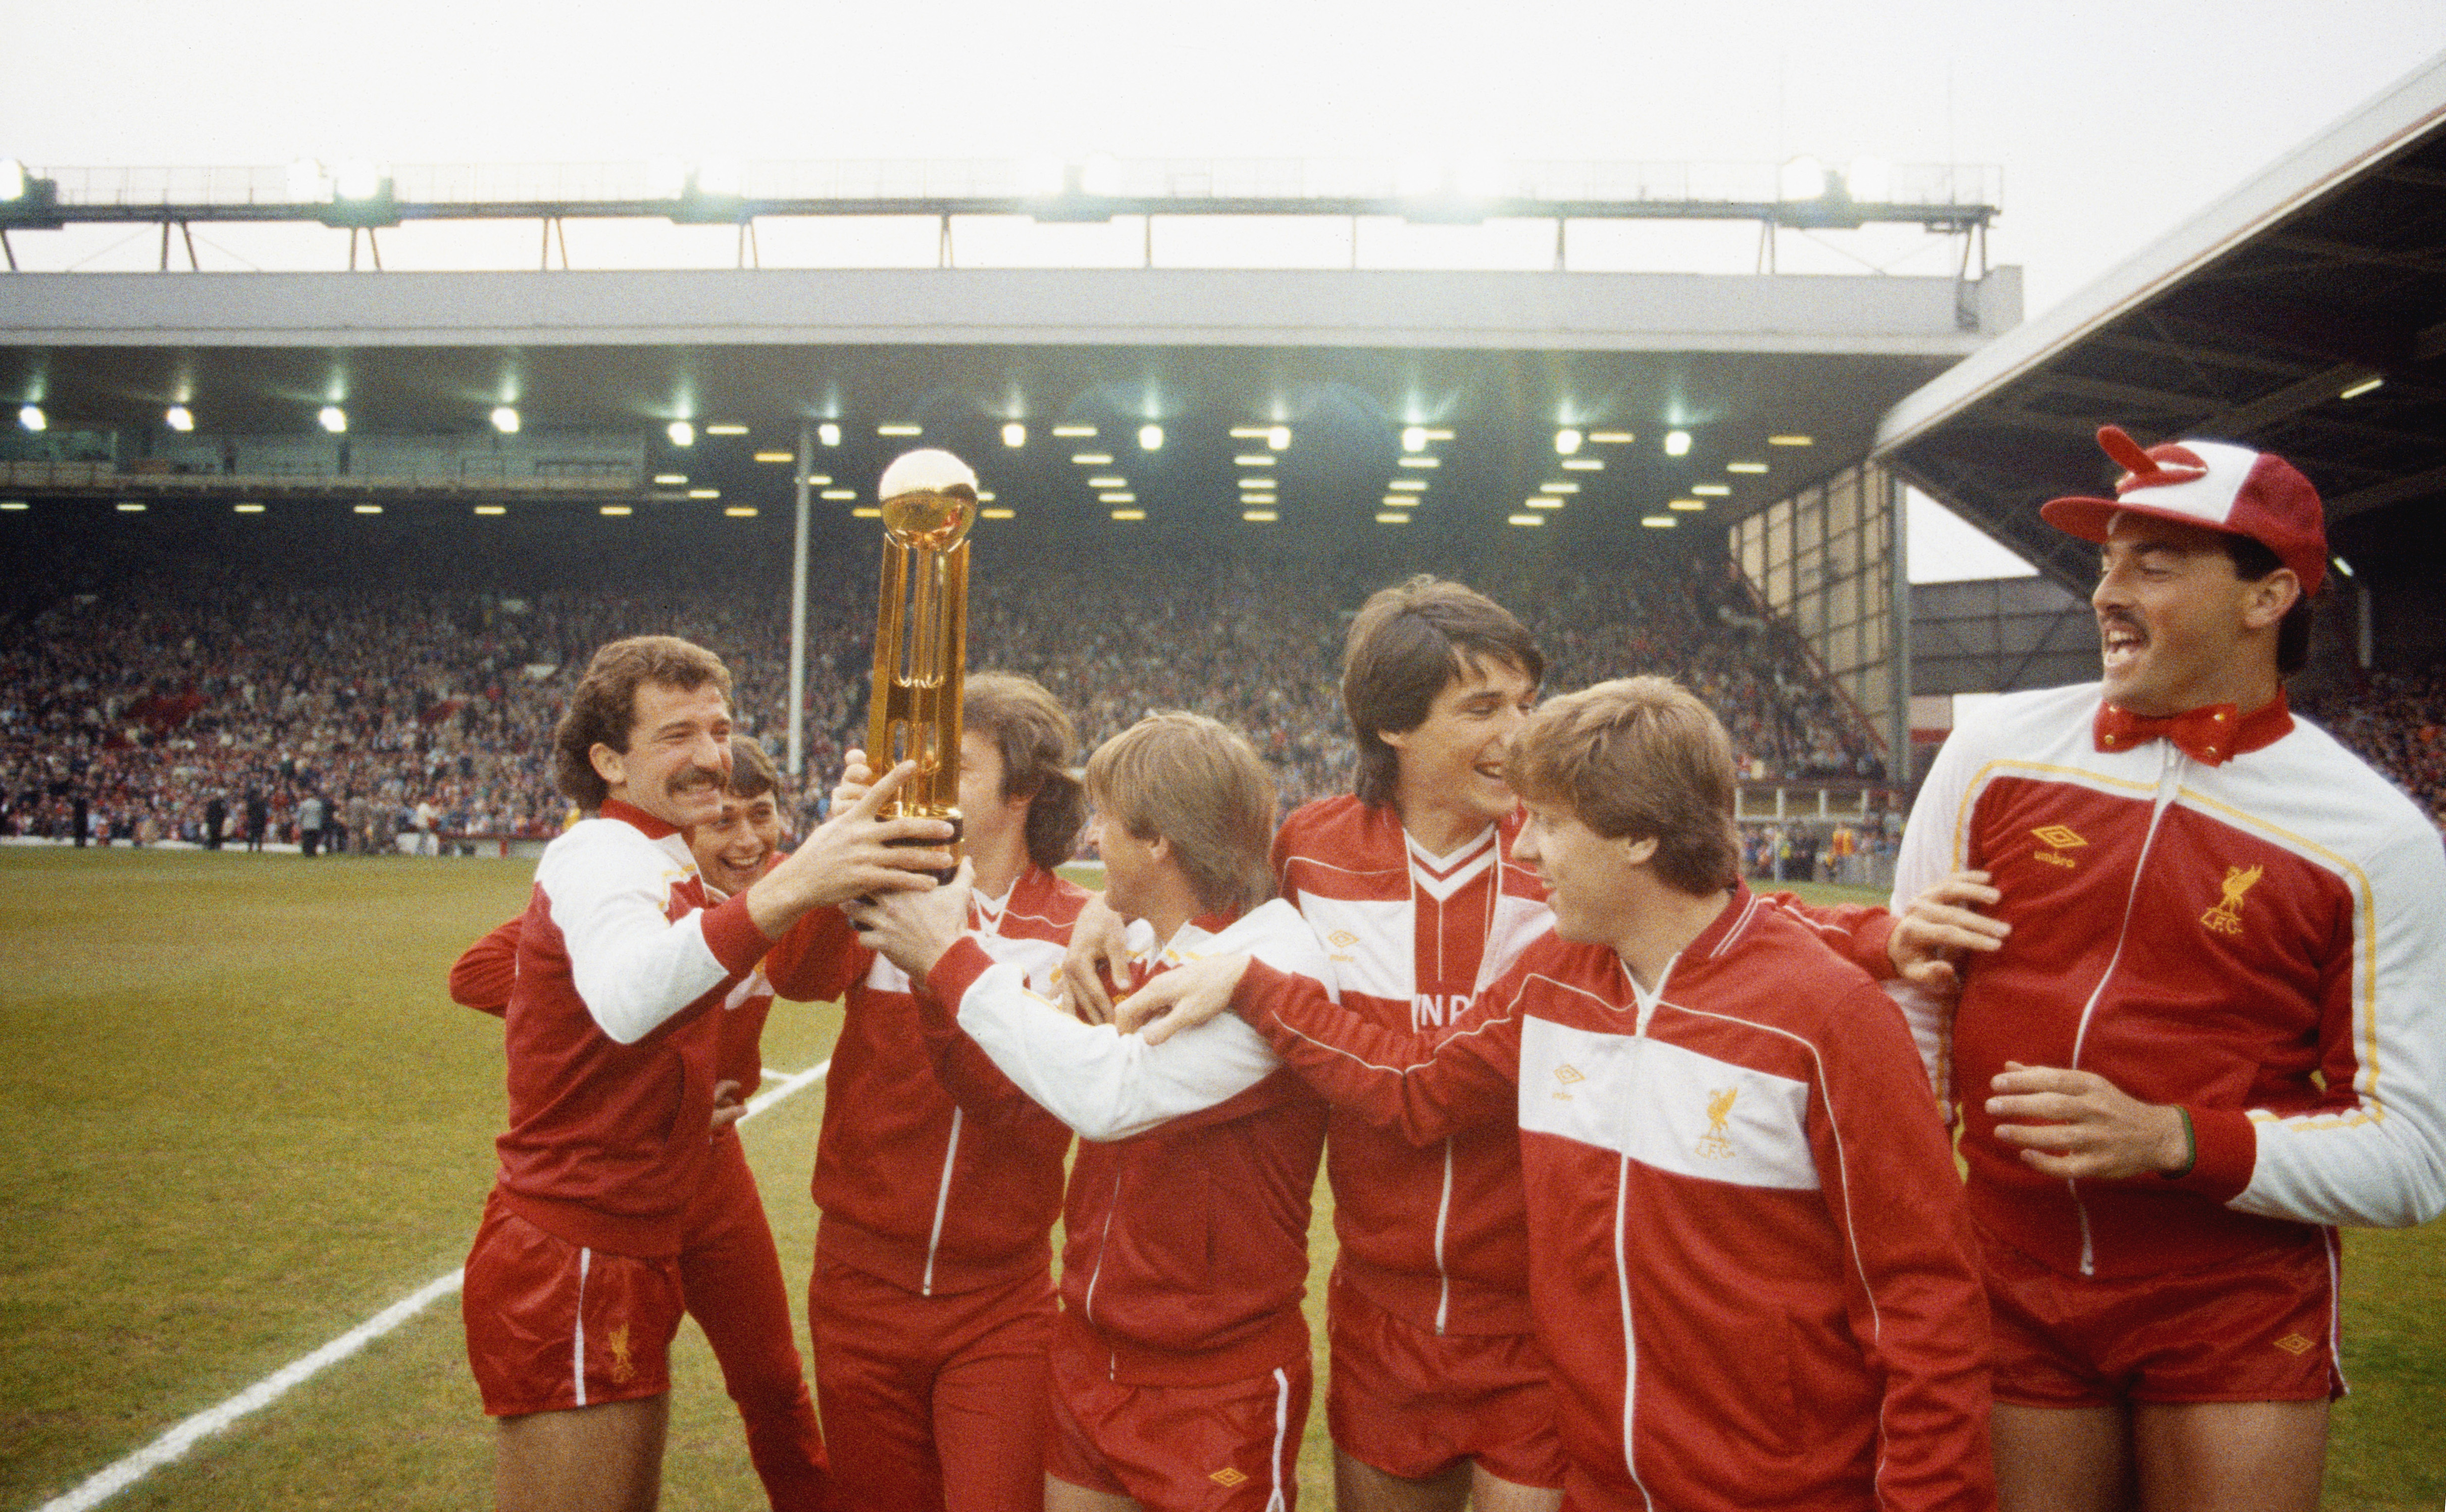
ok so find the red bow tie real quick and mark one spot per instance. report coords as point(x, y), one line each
point(2209, 735)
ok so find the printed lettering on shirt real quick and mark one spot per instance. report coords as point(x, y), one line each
point(2060, 838)
point(2226, 918)
point(1435, 1010)
point(1659, 1103)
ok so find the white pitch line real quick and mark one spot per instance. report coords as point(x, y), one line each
point(104, 1483)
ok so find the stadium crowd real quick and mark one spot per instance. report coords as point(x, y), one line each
point(390, 714)
point(400, 712)
point(2393, 723)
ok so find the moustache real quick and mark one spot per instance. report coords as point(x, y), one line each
point(696, 777)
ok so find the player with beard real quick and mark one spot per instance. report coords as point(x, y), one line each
point(573, 1285)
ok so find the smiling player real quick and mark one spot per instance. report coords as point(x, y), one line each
point(730, 1276)
point(574, 1283)
point(2209, 1024)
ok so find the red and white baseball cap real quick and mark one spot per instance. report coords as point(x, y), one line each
point(2221, 486)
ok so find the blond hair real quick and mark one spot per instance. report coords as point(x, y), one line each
point(1638, 758)
point(1196, 783)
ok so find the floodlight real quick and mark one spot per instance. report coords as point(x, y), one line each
point(13, 180)
point(1408, 485)
point(705, 492)
point(178, 418)
point(1419, 461)
point(1258, 516)
point(1014, 434)
point(1108, 482)
point(1803, 177)
point(1150, 437)
point(2362, 387)
point(2341, 565)
point(33, 418)
point(129, 506)
point(1279, 438)
point(505, 420)
point(1677, 443)
point(368, 508)
point(14, 505)
point(671, 480)
point(491, 509)
point(1687, 505)
point(828, 432)
point(1543, 502)
point(1129, 514)
point(681, 432)
point(1524, 520)
point(1252, 460)
point(1869, 180)
point(357, 180)
point(840, 492)
point(902, 428)
point(1612, 437)
point(1391, 517)
point(1092, 459)
point(777, 456)
point(739, 512)
point(246, 509)
point(1075, 433)
point(615, 510)
point(1712, 490)
point(733, 429)
point(1414, 439)
point(1744, 467)
point(1583, 464)
point(334, 418)
point(1659, 522)
point(1567, 440)
point(1117, 496)
point(1792, 441)
point(998, 514)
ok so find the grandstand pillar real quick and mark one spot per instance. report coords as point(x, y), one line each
point(1900, 774)
point(799, 609)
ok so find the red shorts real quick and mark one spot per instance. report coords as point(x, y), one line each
point(2258, 1329)
point(1232, 1447)
point(552, 1326)
point(1414, 1403)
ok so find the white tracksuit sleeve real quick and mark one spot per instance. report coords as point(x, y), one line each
point(633, 965)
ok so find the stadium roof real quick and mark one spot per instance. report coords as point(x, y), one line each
point(2304, 314)
point(1349, 360)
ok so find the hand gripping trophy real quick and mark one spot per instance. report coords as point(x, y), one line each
point(921, 631)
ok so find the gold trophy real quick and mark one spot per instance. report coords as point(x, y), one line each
point(921, 633)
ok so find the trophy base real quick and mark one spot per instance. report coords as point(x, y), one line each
point(958, 828)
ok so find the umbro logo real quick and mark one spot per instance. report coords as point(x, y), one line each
point(2059, 838)
point(2293, 1344)
point(1227, 1476)
point(1569, 1076)
point(1342, 939)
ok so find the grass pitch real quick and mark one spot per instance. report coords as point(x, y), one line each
point(241, 1116)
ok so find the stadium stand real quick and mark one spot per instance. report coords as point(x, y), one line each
point(178, 685)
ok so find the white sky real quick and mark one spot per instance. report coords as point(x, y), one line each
point(2113, 123)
